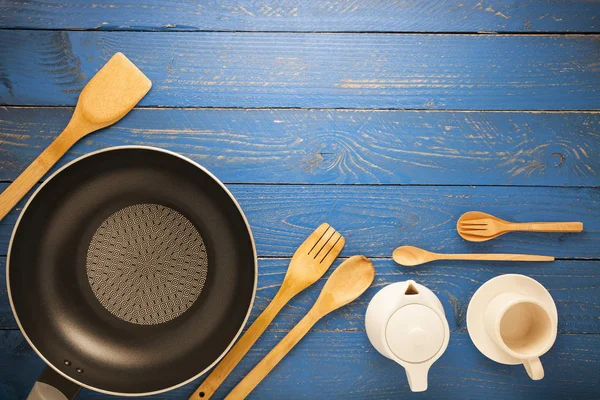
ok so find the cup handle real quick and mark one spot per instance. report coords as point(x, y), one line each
point(534, 369)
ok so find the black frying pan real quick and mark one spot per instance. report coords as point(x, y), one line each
point(131, 271)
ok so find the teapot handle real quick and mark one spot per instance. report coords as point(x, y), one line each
point(417, 377)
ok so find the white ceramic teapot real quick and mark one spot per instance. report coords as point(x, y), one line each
point(405, 322)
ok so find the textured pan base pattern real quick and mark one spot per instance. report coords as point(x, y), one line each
point(147, 264)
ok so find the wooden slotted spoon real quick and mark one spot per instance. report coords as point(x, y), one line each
point(476, 226)
point(308, 264)
point(108, 97)
point(351, 279)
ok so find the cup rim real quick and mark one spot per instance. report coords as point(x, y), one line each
point(483, 338)
point(553, 329)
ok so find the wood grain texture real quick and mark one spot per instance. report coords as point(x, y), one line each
point(306, 16)
point(338, 146)
point(327, 365)
point(377, 219)
point(574, 285)
point(478, 72)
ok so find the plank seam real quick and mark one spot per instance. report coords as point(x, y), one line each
point(313, 32)
point(8, 181)
point(383, 109)
point(461, 331)
point(408, 185)
point(384, 258)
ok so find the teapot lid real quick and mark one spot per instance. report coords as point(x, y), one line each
point(415, 333)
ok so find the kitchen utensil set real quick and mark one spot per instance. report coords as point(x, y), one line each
point(477, 226)
point(511, 319)
point(116, 210)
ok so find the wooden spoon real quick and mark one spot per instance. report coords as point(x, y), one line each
point(308, 264)
point(410, 256)
point(345, 284)
point(107, 97)
point(477, 226)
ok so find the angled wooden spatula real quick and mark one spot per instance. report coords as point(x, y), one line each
point(107, 98)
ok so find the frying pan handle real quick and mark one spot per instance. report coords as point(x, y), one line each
point(53, 386)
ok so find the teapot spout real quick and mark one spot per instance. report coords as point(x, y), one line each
point(411, 288)
point(417, 377)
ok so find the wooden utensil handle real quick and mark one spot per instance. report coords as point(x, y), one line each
point(265, 366)
point(496, 257)
point(548, 227)
point(239, 350)
point(33, 173)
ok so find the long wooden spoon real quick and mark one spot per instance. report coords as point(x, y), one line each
point(477, 226)
point(308, 264)
point(345, 284)
point(107, 97)
point(410, 256)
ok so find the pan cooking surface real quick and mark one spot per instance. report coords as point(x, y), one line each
point(98, 275)
point(147, 264)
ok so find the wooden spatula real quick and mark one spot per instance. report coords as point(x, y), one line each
point(308, 264)
point(346, 284)
point(107, 98)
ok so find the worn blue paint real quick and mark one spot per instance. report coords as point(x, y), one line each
point(382, 177)
point(208, 69)
point(453, 282)
point(307, 15)
point(328, 365)
point(339, 146)
point(377, 219)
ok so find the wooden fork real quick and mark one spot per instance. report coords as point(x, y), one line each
point(478, 226)
point(308, 264)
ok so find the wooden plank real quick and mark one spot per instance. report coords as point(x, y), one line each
point(480, 72)
point(339, 146)
point(574, 285)
point(377, 219)
point(327, 365)
point(305, 16)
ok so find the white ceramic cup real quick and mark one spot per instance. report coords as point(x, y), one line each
point(522, 327)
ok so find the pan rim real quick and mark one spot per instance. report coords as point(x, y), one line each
point(213, 177)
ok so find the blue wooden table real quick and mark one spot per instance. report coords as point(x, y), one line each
point(386, 119)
